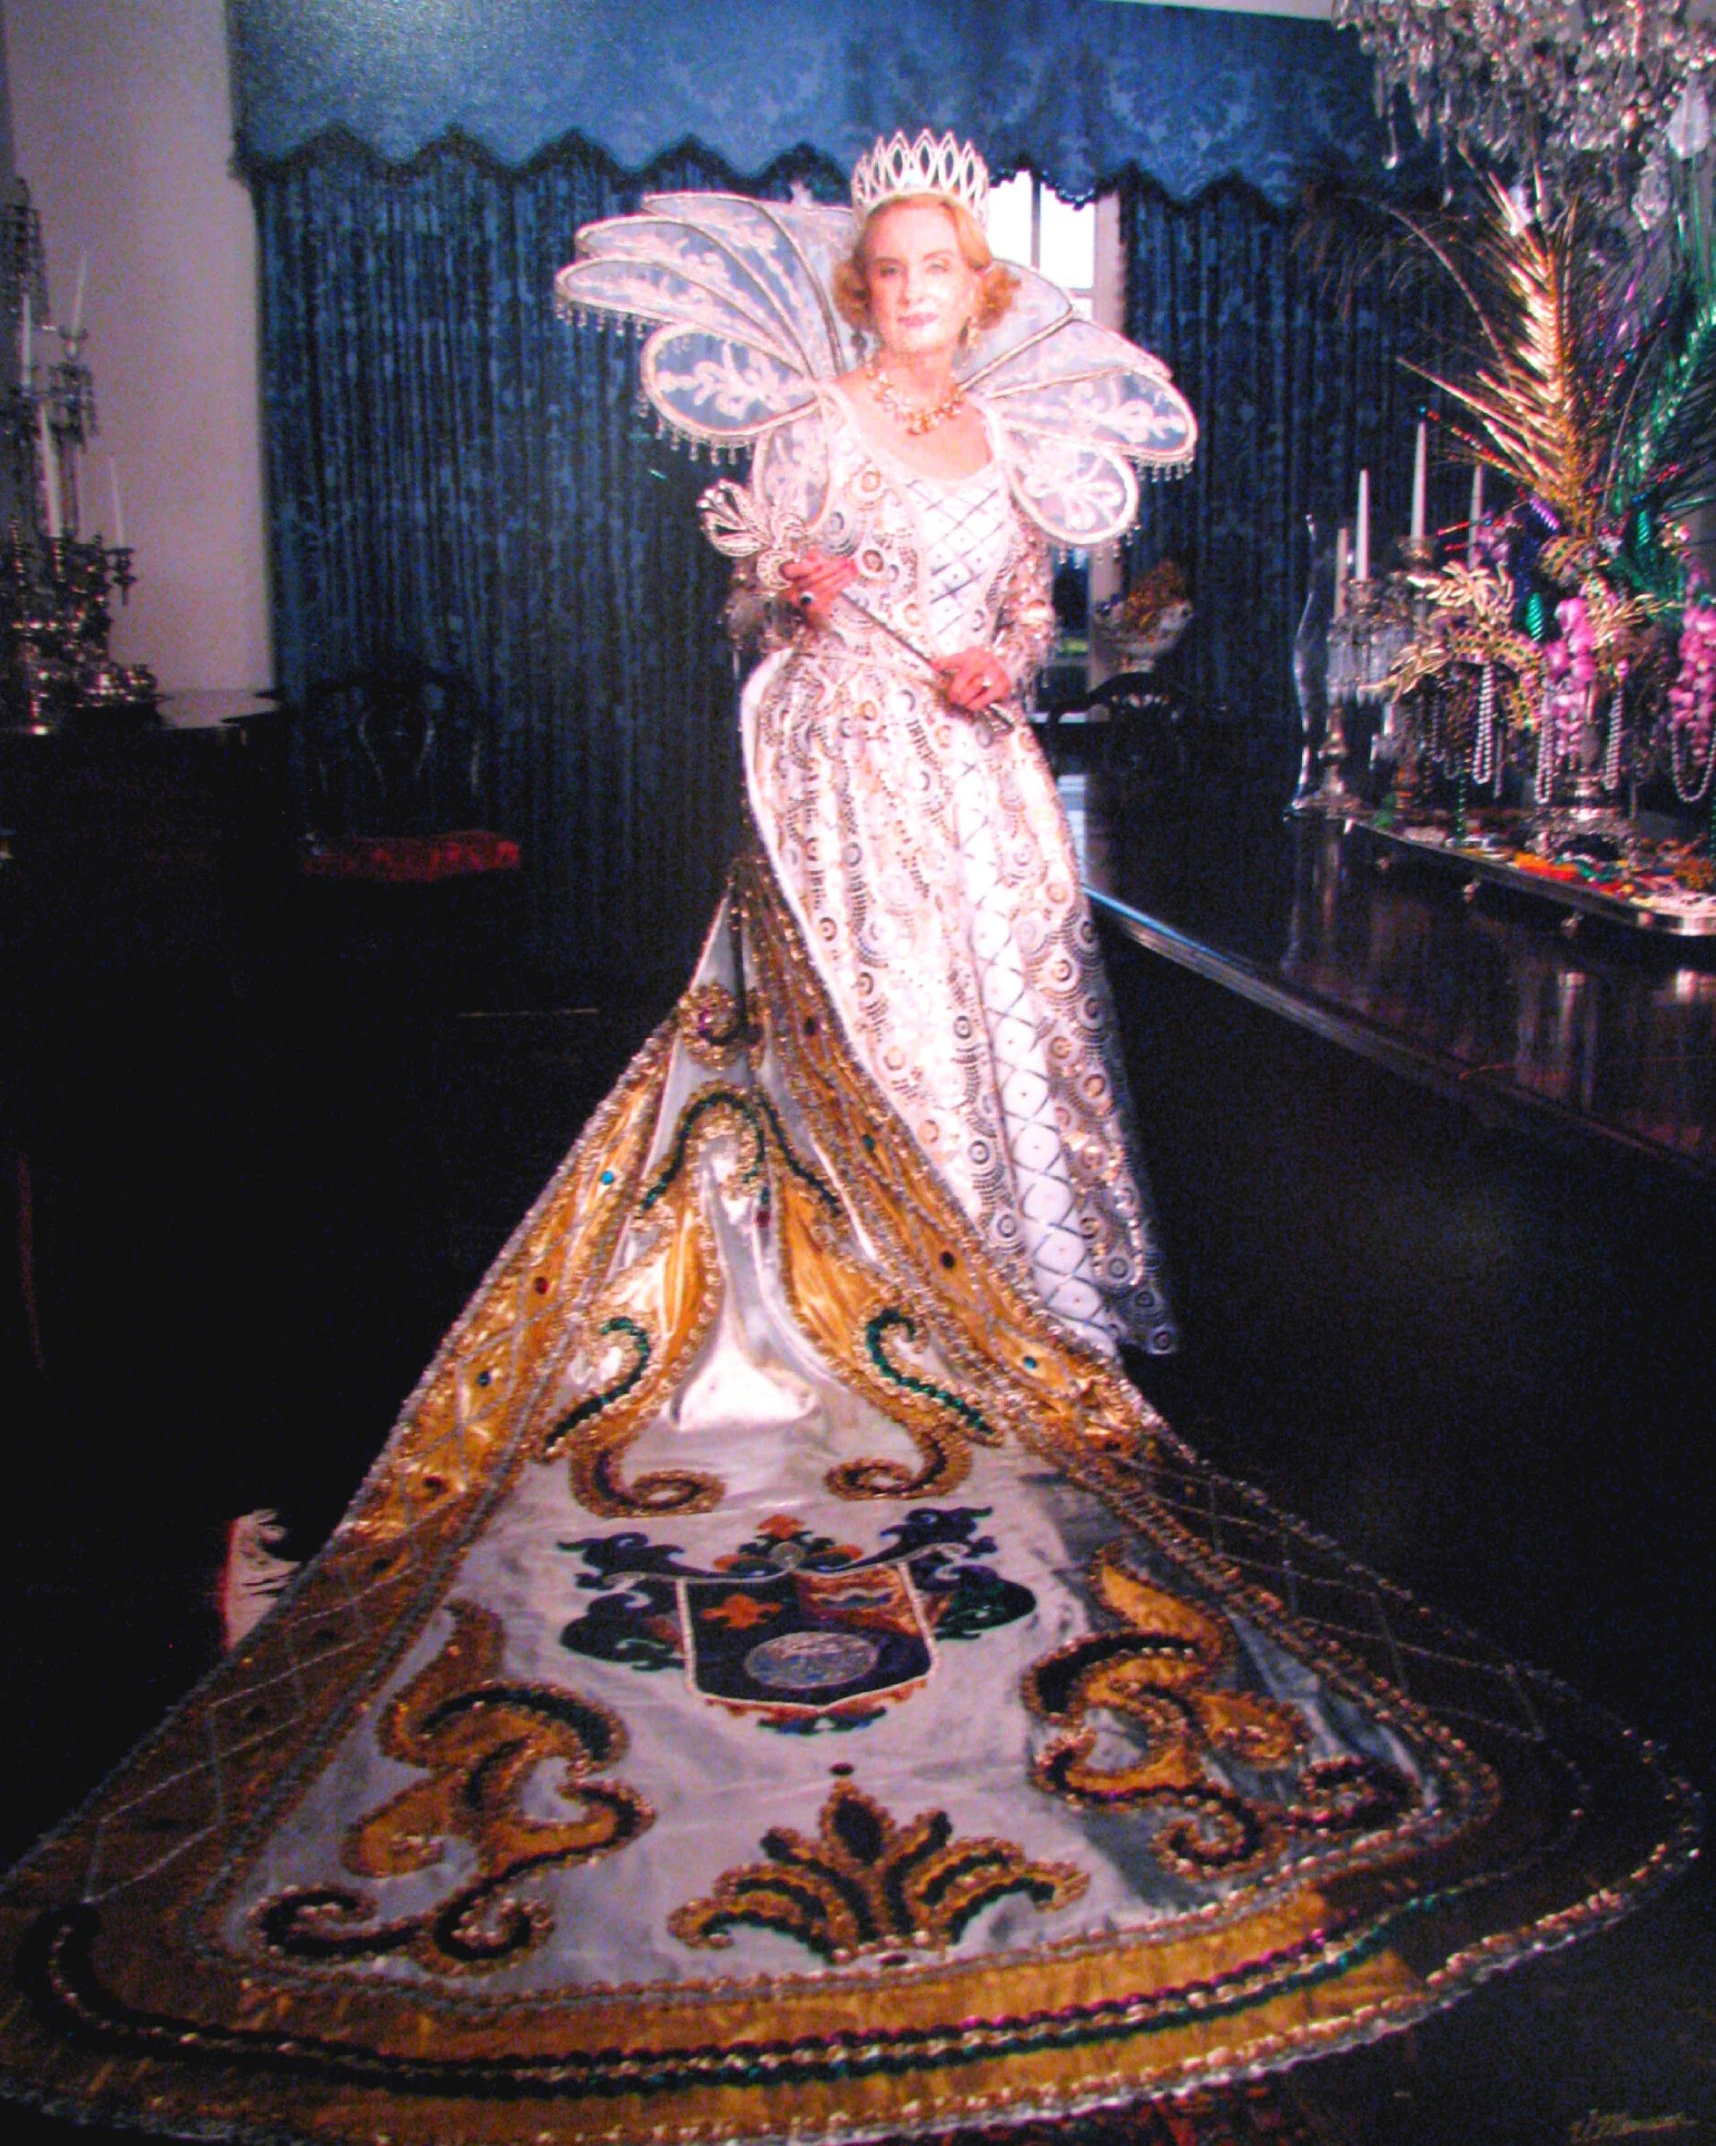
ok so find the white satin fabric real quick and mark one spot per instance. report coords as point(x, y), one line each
point(763, 1414)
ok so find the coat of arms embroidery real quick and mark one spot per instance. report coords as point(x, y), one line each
point(806, 1633)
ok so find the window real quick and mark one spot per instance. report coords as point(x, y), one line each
point(1078, 248)
point(1031, 224)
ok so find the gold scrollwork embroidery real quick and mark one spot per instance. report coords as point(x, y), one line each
point(711, 1026)
point(1156, 1673)
point(460, 1419)
point(481, 1738)
point(655, 1315)
point(1025, 1375)
point(868, 1883)
point(854, 1323)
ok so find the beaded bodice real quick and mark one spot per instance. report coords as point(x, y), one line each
point(967, 528)
point(945, 564)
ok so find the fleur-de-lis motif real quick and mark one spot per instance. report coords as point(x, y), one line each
point(481, 1739)
point(1157, 1673)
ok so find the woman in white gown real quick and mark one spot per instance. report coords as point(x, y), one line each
point(910, 820)
point(779, 1679)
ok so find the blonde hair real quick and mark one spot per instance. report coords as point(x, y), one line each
point(996, 286)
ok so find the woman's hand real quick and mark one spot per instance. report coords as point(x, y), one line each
point(974, 679)
point(814, 581)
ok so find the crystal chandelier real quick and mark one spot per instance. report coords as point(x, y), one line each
point(1594, 95)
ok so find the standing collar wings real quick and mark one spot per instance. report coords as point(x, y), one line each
point(743, 330)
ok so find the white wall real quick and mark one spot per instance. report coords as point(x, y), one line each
point(123, 129)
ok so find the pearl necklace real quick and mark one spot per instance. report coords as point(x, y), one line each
point(914, 417)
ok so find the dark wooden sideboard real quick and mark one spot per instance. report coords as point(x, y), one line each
point(129, 839)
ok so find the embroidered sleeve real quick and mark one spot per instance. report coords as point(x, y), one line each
point(1025, 623)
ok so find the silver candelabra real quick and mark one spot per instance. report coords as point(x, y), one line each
point(56, 583)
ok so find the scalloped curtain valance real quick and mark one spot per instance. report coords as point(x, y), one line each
point(1077, 89)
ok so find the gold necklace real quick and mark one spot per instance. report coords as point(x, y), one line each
point(914, 417)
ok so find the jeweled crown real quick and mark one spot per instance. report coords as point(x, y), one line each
point(930, 165)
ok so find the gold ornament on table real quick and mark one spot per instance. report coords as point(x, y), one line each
point(1136, 631)
point(1153, 599)
point(1541, 413)
point(1467, 621)
point(1598, 407)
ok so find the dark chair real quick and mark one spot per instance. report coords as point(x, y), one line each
point(1145, 732)
point(401, 862)
point(397, 762)
point(1062, 689)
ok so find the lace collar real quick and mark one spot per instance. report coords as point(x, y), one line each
point(744, 337)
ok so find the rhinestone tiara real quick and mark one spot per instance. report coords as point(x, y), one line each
point(930, 165)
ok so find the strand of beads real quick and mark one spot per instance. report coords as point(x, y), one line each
point(1692, 704)
point(1612, 750)
point(1485, 766)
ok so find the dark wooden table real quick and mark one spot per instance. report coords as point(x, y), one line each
point(135, 836)
point(1603, 1033)
point(138, 848)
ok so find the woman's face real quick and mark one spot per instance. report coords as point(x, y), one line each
point(922, 291)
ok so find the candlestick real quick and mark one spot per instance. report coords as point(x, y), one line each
point(1341, 571)
point(118, 505)
point(50, 476)
point(1361, 562)
point(1420, 478)
point(1477, 514)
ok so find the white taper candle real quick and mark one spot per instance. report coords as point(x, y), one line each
point(1361, 548)
point(50, 474)
point(1477, 514)
point(1341, 536)
point(118, 504)
point(1420, 480)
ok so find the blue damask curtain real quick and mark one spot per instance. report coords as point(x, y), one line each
point(1294, 396)
point(454, 472)
point(1077, 89)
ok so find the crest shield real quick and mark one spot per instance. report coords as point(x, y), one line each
point(807, 1642)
